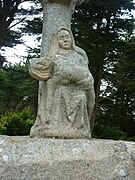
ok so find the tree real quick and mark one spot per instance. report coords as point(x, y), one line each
point(12, 14)
point(2, 60)
point(116, 113)
point(8, 10)
point(100, 27)
point(17, 123)
point(18, 90)
point(122, 108)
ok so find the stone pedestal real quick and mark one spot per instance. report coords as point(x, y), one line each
point(24, 158)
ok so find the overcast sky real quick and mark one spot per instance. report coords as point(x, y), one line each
point(16, 54)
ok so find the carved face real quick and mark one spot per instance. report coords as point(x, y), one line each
point(64, 40)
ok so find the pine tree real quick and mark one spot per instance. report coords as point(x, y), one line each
point(100, 27)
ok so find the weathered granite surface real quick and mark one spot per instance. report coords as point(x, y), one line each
point(56, 14)
point(68, 94)
point(66, 87)
point(24, 158)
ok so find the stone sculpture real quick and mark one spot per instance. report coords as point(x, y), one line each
point(68, 91)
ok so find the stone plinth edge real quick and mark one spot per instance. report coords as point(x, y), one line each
point(25, 158)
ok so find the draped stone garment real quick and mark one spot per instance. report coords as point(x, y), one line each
point(69, 99)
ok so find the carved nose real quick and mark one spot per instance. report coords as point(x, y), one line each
point(65, 40)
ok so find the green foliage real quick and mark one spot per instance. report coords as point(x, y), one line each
point(100, 28)
point(18, 99)
point(120, 110)
point(18, 90)
point(17, 123)
point(106, 132)
point(131, 139)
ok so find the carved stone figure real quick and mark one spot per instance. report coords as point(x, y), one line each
point(68, 93)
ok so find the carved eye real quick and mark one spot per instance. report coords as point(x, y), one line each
point(61, 38)
point(67, 36)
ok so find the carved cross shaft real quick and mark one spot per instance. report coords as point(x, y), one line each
point(56, 14)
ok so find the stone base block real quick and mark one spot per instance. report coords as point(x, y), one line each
point(25, 158)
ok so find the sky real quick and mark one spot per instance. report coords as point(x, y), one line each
point(17, 53)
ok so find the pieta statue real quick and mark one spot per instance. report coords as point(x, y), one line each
point(69, 91)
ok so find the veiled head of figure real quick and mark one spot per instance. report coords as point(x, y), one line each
point(65, 40)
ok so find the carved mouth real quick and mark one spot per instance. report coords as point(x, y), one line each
point(66, 44)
